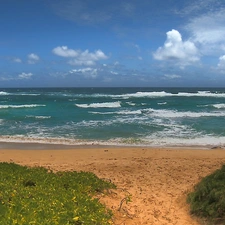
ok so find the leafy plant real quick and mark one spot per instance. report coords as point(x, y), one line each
point(38, 196)
point(207, 201)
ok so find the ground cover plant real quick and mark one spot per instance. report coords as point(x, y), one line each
point(207, 201)
point(37, 196)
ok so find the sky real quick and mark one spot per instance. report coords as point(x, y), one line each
point(105, 43)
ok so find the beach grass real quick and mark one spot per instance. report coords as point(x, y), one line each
point(207, 201)
point(36, 195)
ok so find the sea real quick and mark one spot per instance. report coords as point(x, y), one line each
point(114, 116)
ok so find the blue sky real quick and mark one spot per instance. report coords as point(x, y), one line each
point(78, 43)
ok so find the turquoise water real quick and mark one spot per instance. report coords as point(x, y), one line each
point(133, 116)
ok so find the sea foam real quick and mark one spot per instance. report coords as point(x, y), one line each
point(4, 93)
point(20, 106)
point(176, 114)
point(219, 106)
point(100, 105)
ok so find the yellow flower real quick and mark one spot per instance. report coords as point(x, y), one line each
point(76, 218)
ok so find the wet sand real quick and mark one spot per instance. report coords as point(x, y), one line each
point(158, 179)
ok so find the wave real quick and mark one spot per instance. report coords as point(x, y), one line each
point(152, 141)
point(155, 94)
point(219, 106)
point(43, 140)
point(180, 94)
point(131, 103)
point(206, 141)
point(22, 94)
point(123, 112)
point(176, 114)
point(28, 94)
point(39, 117)
point(4, 93)
point(100, 105)
point(42, 117)
point(20, 106)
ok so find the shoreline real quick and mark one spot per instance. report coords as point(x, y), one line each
point(42, 145)
point(7, 141)
point(158, 179)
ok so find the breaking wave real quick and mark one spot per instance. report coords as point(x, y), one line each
point(20, 106)
point(100, 105)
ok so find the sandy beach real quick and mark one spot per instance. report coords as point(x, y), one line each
point(158, 179)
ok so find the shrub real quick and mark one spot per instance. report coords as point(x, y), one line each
point(37, 196)
point(207, 201)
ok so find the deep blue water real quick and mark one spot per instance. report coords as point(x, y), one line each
point(133, 116)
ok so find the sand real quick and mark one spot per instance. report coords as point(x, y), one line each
point(158, 179)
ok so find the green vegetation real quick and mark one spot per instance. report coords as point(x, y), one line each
point(208, 199)
point(36, 196)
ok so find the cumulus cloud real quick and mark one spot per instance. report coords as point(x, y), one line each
point(64, 51)
point(25, 76)
point(78, 57)
point(185, 52)
point(33, 58)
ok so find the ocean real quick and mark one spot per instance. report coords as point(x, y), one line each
point(114, 116)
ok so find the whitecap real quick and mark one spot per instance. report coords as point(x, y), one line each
point(176, 114)
point(131, 103)
point(219, 106)
point(20, 106)
point(100, 105)
point(123, 112)
point(156, 94)
point(129, 112)
point(4, 93)
point(42, 117)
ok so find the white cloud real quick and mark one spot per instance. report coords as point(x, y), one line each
point(87, 72)
point(25, 76)
point(208, 28)
point(33, 58)
point(185, 52)
point(78, 57)
point(64, 51)
point(22, 76)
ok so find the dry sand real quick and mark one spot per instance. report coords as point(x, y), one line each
point(158, 179)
